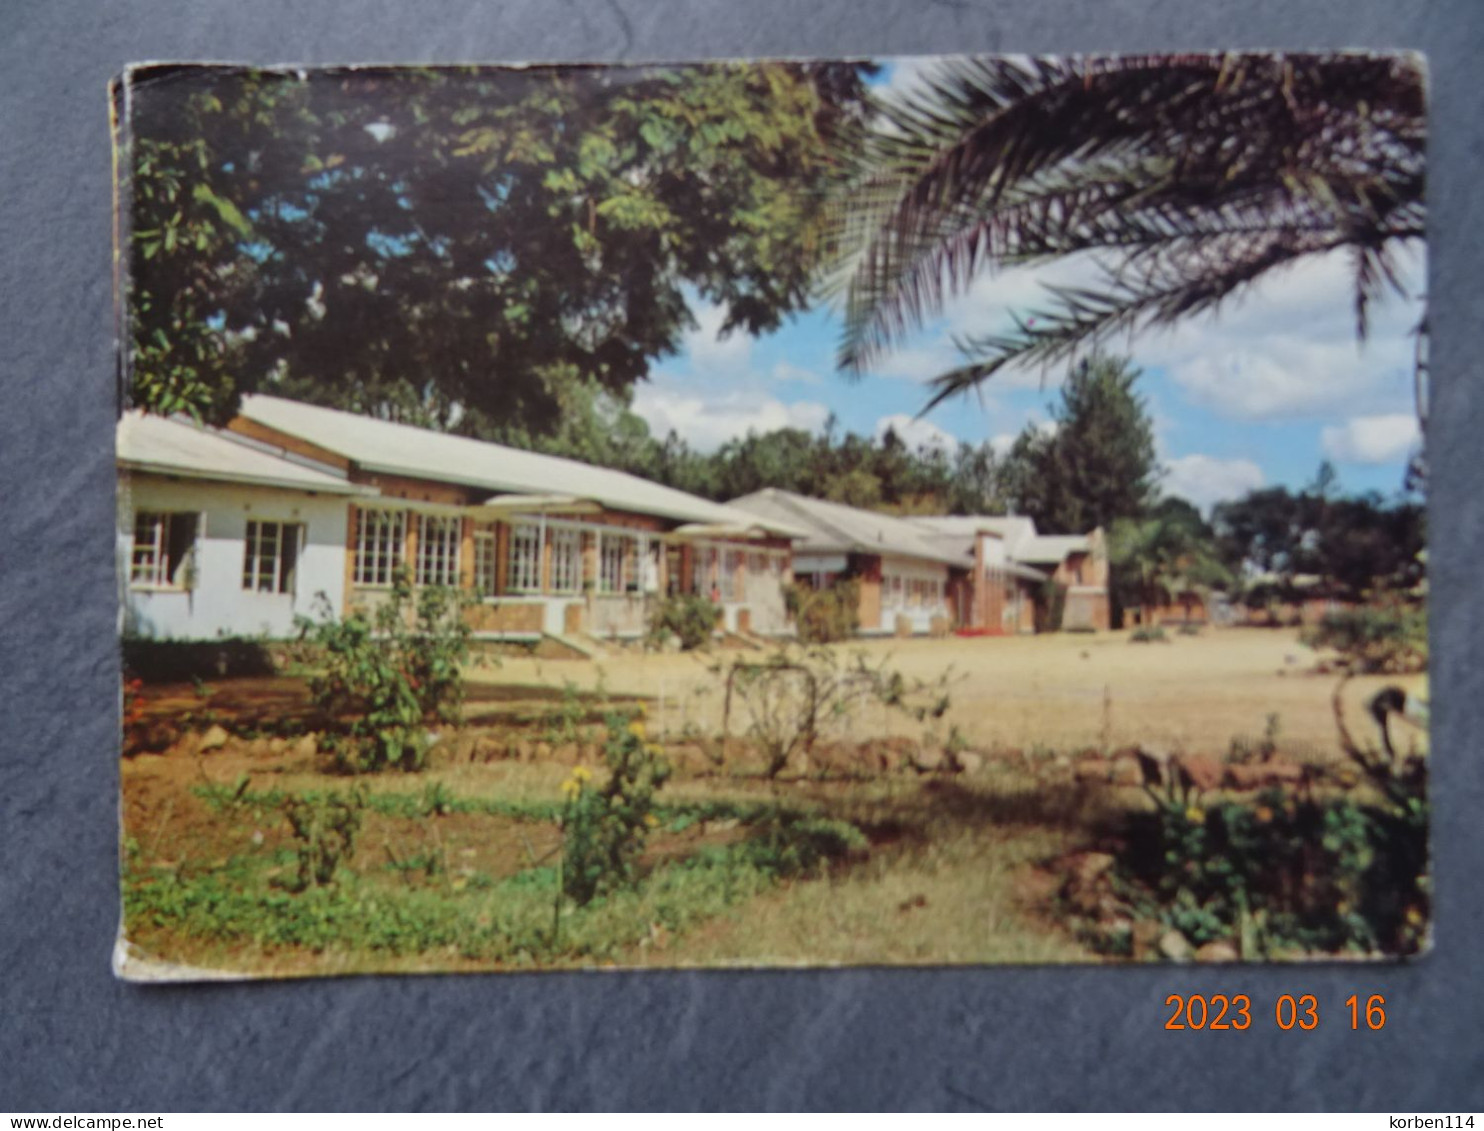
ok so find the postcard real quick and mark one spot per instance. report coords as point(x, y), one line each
point(962, 510)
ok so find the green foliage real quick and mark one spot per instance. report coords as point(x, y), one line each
point(462, 223)
point(789, 845)
point(1355, 547)
point(1159, 557)
point(824, 616)
point(604, 828)
point(1284, 873)
point(1148, 635)
point(1184, 178)
point(386, 679)
point(690, 619)
point(326, 828)
point(1384, 637)
point(1098, 464)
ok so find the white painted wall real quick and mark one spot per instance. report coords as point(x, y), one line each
point(217, 605)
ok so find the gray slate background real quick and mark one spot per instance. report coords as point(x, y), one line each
point(72, 1039)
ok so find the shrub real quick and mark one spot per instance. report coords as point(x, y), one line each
point(326, 828)
point(823, 616)
point(788, 699)
point(604, 829)
point(1390, 637)
point(387, 678)
point(690, 619)
point(1283, 873)
point(1155, 635)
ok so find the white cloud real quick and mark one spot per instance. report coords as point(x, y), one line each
point(785, 371)
point(1205, 480)
point(1289, 348)
point(709, 352)
point(1371, 439)
point(706, 420)
point(916, 433)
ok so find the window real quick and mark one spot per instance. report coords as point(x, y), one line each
point(270, 556)
point(523, 559)
point(730, 560)
point(163, 551)
point(613, 564)
point(484, 561)
point(438, 549)
point(380, 538)
point(703, 571)
point(566, 561)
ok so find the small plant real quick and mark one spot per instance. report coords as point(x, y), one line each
point(823, 616)
point(689, 619)
point(326, 828)
point(1154, 635)
point(389, 675)
point(1265, 749)
point(604, 828)
point(564, 723)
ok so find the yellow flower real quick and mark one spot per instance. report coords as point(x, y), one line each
point(571, 788)
point(636, 728)
point(1264, 814)
point(582, 774)
point(1195, 815)
point(650, 820)
point(1414, 916)
point(654, 749)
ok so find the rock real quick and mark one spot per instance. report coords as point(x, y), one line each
point(1146, 937)
point(1202, 771)
point(1280, 771)
point(1086, 867)
point(1174, 946)
point(929, 759)
point(213, 739)
point(306, 746)
point(970, 762)
point(1126, 772)
point(1217, 951)
point(1239, 776)
point(542, 752)
point(567, 753)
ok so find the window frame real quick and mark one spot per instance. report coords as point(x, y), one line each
point(369, 561)
point(161, 577)
point(524, 542)
point(438, 568)
point(283, 572)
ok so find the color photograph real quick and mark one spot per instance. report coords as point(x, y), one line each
point(909, 511)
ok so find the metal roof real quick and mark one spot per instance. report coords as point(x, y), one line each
point(834, 527)
point(419, 453)
point(1018, 533)
point(180, 447)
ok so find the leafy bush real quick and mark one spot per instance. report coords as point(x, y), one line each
point(1389, 637)
point(604, 829)
point(790, 845)
point(1283, 873)
point(690, 619)
point(326, 828)
point(387, 678)
point(823, 616)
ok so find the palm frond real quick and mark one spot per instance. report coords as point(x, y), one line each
point(1156, 164)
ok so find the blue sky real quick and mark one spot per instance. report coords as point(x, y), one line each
point(1256, 395)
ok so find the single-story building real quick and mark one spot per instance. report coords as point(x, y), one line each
point(908, 583)
point(550, 545)
point(219, 537)
point(1077, 562)
point(1002, 592)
